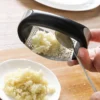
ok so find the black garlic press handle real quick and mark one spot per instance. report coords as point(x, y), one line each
point(64, 25)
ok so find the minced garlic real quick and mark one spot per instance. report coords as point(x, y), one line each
point(25, 84)
point(45, 43)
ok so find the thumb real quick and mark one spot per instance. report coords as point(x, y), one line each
point(84, 57)
point(95, 96)
point(96, 61)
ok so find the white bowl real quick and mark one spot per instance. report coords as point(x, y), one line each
point(71, 5)
point(13, 64)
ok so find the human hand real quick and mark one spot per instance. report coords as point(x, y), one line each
point(95, 96)
point(90, 58)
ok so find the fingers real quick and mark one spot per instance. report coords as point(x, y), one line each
point(75, 62)
point(95, 35)
point(90, 60)
point(96, 61)
point(87, 62)
point(85, 59)
point(95, 96)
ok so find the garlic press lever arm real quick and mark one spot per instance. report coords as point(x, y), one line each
point(61, 24)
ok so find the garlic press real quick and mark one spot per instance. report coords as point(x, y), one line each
point(35, 31)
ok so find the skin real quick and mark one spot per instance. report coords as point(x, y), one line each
point(95, 96)
point(90, 58)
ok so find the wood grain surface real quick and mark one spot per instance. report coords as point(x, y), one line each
point(74, 84)
point(72, 79)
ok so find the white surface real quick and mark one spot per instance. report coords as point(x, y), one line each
point(71, 5)
point(70, 2)
point(12, 65)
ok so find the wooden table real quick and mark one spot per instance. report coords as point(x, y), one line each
point(72, 79)
point(74, 85)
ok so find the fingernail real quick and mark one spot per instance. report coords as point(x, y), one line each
point(70, 63)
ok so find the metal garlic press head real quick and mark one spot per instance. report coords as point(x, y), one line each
point(52, 36)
